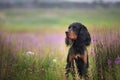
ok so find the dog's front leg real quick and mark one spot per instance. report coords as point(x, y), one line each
point(68, 65)
point(73, 70)
point(70, 62)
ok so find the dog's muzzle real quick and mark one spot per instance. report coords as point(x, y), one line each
point(66, 32)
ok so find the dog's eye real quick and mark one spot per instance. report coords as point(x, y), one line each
point(74, 27)
point(69, 27)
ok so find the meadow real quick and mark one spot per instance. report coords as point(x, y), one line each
point(32, 43)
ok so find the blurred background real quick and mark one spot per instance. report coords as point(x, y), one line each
point(32, 34)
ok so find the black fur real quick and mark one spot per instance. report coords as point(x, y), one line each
point(78, 46)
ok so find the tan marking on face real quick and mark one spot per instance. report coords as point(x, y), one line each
point(72, 35)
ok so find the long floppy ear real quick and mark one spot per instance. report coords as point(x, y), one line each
point(84, 36)
point(68, 41)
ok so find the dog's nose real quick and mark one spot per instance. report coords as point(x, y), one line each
point(66, 32)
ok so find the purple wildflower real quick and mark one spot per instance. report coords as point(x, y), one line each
point(117, 60)
point(92, 52)
point(109, 62)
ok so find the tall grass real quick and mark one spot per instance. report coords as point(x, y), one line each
point(33, 48)
point(6, 59)
point(107, 60)
point(22, 65)
point(48, 63)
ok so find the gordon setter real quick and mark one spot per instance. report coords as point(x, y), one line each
point(78, 38)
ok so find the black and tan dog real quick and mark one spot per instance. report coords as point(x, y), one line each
point(78, 37)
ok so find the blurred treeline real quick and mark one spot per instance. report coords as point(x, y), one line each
point(56, 4)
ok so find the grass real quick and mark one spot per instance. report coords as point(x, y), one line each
point(18, 19)
point(29, 66)
point(32, 43)
point(106, 48)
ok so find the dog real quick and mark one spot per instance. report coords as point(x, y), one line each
point(78, 38)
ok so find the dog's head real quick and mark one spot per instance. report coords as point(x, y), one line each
point(79, 33)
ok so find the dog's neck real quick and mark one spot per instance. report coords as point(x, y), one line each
point(77, 42)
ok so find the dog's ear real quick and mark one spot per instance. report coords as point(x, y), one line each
point(68, 41)
point(84, 36)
